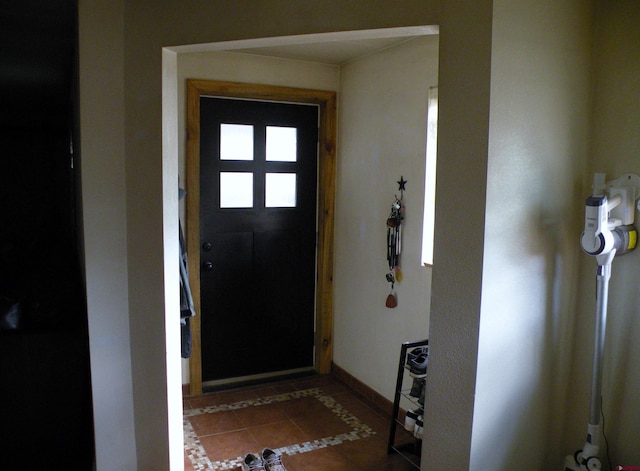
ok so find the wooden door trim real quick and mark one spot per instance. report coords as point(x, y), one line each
point(326, 100)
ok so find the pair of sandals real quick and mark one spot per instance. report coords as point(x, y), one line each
point(268, 460)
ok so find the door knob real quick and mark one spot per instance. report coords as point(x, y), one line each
point(207, 246)
point(207, 266)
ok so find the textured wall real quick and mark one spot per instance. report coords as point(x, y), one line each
point(382, 136)
point(538, 151)
point(615, 151)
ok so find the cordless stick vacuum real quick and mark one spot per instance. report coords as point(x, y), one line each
point(608, 231)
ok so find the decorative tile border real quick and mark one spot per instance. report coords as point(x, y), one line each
point(198, 456)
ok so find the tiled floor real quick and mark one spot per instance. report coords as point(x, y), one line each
point(317, 424)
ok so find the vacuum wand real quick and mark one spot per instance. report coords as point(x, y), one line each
point(602, 295)
point(603, 238)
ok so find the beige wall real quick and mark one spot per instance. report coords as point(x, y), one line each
point(381, 137)
point(536, 146)
point(104, 201)
point(463, 126)
point(615, 151)
point(538, 150)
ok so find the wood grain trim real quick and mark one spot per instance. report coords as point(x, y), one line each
point(192, 232)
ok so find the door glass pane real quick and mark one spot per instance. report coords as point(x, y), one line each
point(281, 144)
point(236, 142)
point(280, 190)
point(236, 190)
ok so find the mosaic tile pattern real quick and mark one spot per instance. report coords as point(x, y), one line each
point(201, 462)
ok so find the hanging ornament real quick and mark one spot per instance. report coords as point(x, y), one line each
point(394, 243)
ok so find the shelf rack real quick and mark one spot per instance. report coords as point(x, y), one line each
point(409, 446)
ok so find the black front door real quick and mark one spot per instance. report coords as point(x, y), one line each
point(258, 184)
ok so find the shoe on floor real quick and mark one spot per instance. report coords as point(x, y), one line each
point(272, 460)
point(252, 462)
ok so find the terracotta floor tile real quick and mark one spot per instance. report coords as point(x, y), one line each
point(308, 433)
point(304, 406)
point(322, 425)
point(187, 464)
point(366, 453)
point(367, 416)
point(205, 400)
point(328, 384)
point(278, 435)
point(231, 445)
point(325, 459)
point(260, 415)
point(235, 395)
point(395, 463)
point(217, 422)
point(278, 387)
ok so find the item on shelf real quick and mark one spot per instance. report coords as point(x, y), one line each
point(421, 398)
point(411, 417)
point(408, 442)
point(417, 362)
point(419, 427)
point(417, 388)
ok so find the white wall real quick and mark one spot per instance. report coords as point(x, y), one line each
point(130, 211)
point(463, 127)
point(104, 226)
point(245, 68)
point(537, 156)
point(381, 137)
point(127, 226)
point(615, 151)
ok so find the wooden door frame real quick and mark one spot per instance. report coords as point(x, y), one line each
point(326, 100)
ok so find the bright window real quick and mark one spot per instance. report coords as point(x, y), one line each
point(280, 190)
point(236, 190)
point(430, 178)
point(281, 144)
point(236, 142)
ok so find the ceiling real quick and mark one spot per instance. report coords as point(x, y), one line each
point(335, 52)
point(331, 48)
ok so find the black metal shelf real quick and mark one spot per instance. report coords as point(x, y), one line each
point(409, 449)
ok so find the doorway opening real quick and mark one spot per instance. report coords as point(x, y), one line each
point(198, 97)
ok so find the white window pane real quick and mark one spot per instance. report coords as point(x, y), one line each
point(236, 190)
point(430, 178)
point(281, 144)
point(236, 142)
point(280, 190)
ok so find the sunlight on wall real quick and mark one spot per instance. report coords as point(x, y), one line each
point(430, 178)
